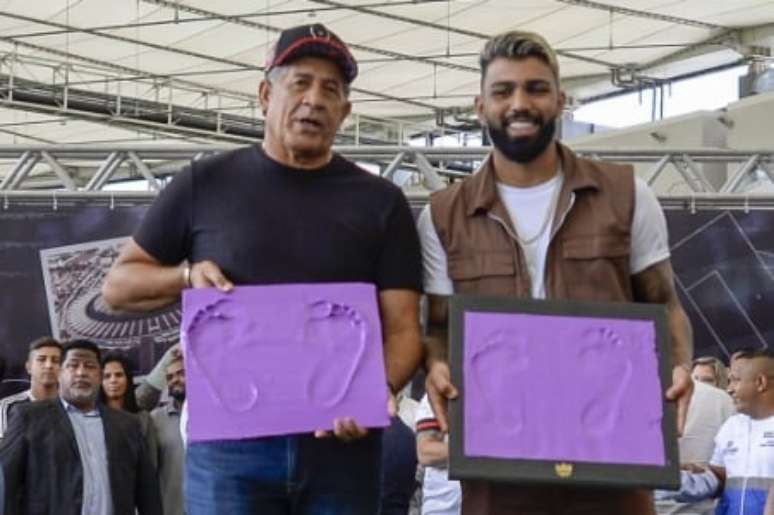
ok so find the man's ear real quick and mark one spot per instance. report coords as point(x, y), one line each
point(345, 111)
point(478, 104)
point(562, 100)
point(264, 92)
point(762, 383)
point(27, 367)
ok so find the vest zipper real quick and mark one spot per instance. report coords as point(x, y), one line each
point(520, 252)
point(551, 239)
point(505, 226)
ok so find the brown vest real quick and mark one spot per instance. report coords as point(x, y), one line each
point(588, 257)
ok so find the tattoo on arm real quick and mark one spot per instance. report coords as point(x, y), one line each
point(656, 285)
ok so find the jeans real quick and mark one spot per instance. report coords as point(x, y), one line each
point(284, 475)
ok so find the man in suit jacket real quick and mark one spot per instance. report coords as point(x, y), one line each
point(71, 456)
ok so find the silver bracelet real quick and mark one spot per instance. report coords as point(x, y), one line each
point(187, 276)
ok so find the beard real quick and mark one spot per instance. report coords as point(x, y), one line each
point(177, 395)
point(524, 149)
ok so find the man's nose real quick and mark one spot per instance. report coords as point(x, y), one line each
point(520, 100)
point(313, 95)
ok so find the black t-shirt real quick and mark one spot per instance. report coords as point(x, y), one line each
point(265, 223)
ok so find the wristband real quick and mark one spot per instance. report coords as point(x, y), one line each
point(187, 276)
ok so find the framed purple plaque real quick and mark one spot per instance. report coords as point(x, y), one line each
point(561, 392)
point(282, 359)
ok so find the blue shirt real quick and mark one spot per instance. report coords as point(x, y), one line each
point(90, 436)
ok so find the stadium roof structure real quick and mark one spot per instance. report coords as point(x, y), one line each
point(186, 71)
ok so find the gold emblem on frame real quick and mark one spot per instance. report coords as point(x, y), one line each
point(563, 470)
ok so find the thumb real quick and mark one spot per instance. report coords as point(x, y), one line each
point(392, 405)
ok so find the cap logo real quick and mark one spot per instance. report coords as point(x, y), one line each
point(318, 31)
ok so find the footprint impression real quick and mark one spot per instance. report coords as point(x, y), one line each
point(606, 364)
point(224, 323)
point(503, 350)
point(340, 333)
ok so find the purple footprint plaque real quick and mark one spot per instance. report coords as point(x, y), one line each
point(559, 390)
point(282, 359)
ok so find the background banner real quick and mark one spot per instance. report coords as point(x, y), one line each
point(52, 262)
point(724, 268)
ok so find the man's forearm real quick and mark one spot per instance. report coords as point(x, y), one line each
point(682, 335)
point(435, 349)
point(142, 286)
point(436, 340)
point(402, 356)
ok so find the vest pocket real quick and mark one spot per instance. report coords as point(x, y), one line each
point(485, 273)
point(595, 268)
point(593, 247)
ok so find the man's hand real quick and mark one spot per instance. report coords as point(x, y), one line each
point(681, 391)
point(347, 429)
point(439, 391)
point(206, 274)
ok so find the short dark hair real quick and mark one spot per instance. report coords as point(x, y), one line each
point(750, 353)
point(518, 45)
point(80, 344)
point(43, 341)
point(130, 400)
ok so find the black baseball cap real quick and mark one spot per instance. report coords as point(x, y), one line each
point(312, 40)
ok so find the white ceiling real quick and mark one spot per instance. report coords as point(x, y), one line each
point(415, 57)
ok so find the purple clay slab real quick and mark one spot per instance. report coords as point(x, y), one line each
point(282, 359)
point(562, 388)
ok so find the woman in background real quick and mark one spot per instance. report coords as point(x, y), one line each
point(117, 392)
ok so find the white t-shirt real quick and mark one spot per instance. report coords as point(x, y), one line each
point(527, 208)
point(440, 496)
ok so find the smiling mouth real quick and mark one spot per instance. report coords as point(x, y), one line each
point(522, 127)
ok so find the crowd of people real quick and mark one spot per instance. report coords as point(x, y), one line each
point(77, 441)
point(535, 221)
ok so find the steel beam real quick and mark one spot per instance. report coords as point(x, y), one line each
point(736, 180)
point(635, 13)
point(433, 181)
point(59, 170)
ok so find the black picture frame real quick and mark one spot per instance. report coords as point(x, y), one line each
point(545, 472)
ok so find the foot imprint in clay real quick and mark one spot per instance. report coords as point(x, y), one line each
point(334, 329)
point(606, 384)
point(503, 350)
point(338, 330)
point(219, 320)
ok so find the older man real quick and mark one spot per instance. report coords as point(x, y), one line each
point(71, 456)
point(287, 211)
point(539, 221)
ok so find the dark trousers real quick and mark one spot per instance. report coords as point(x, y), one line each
point(286, 475)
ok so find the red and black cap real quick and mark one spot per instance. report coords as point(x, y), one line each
point(312, 40)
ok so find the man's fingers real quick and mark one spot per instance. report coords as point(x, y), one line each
point(219, 280)
point(206, 274)
point(439, 390)
point(438, 403)
point(392, 405)
point(347, 429)
point(681, 391)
